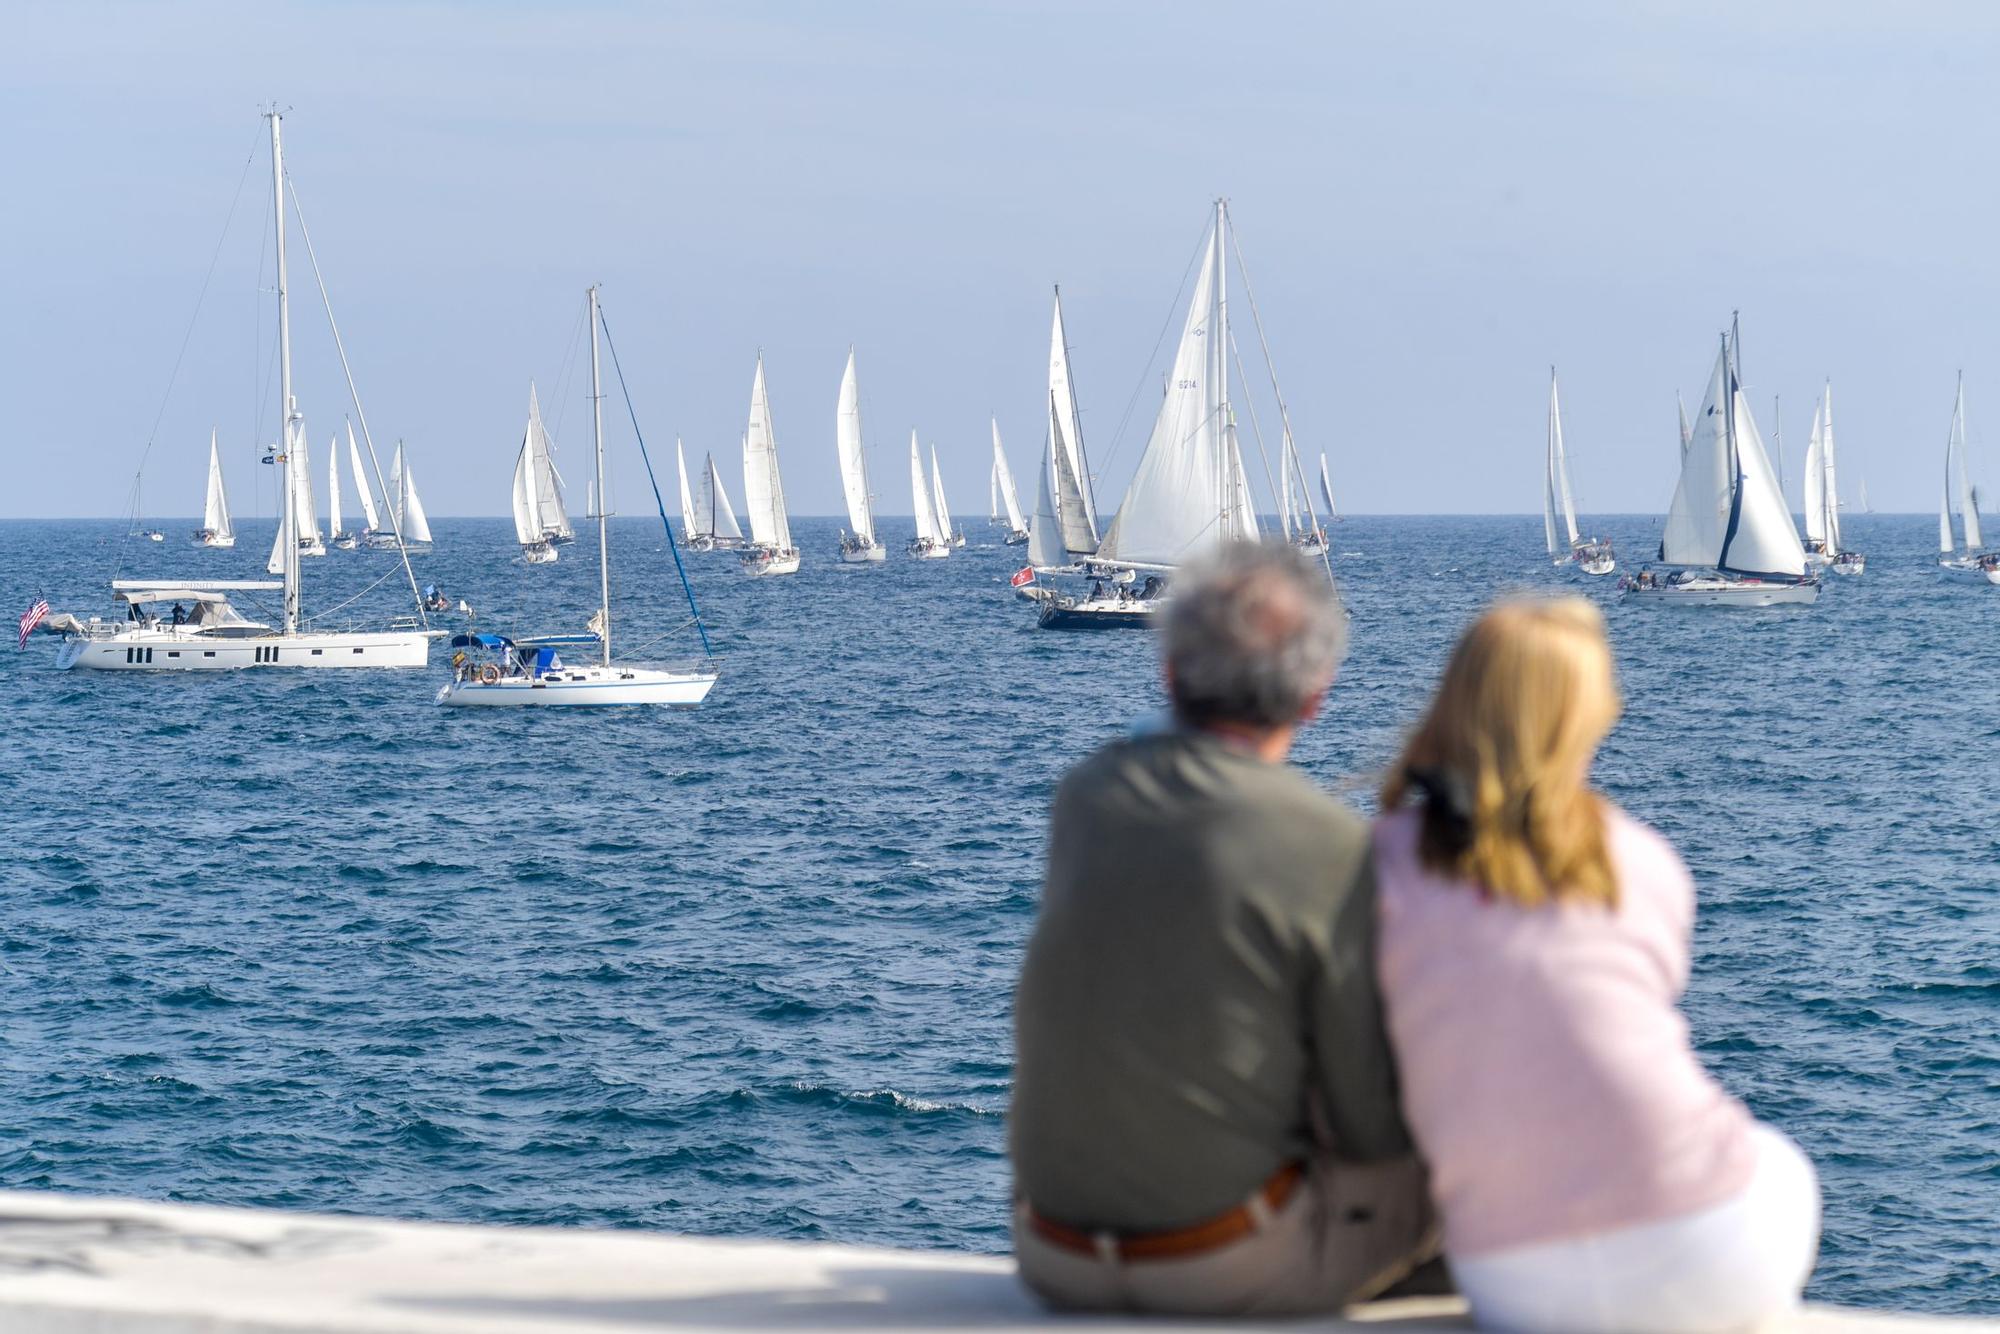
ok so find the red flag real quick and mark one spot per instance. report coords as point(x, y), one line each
point(1025, 576)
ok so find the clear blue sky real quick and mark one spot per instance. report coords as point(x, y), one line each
point(1436, 201)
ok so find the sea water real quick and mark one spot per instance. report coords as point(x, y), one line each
point(305, 940)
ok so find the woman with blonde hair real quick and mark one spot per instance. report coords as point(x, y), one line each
point(1533, 944)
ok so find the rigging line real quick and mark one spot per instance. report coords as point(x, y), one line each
point(1146, 371)
point(672, 545)
point(173, 376)
point(395, 507)
point(386, 576)
point(1257, 434)
point(1284, 414)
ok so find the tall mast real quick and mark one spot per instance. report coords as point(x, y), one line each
point(603, 547)
point(287, 408)
point(1218, 350)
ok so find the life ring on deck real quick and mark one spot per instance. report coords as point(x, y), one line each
point(489, 675)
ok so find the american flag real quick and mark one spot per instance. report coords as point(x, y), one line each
point(32, 617)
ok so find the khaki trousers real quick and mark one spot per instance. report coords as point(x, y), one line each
point(1349, 1231)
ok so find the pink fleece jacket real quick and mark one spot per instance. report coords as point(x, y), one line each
point(1546, 1074)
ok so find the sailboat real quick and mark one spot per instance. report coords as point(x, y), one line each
point(931, 542)
point(1968, 560)
point(1189, 493)
point(1326, 490)
point(299, 505)
point(707, 520)
point(530, 673)
point(1002, 487)
point(770, 550)
point(406, 508)
point(858, 543)
point(1300, 524)
point(541, 524)
point(333, 533)
point(1591, 555)
point(1729, 528)
point(1822, 495)
point(215, 530)
point(952, 535)
point(215, 635)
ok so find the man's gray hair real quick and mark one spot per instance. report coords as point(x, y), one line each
point(1253, 632)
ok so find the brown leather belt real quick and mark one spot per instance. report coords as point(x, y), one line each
point(1179, 1243)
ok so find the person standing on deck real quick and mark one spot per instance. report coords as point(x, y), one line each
point(1204, 1118)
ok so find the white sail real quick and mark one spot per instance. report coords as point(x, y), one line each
point(1728, 512)
point(1175, 506)
point(539, 513)
point(333, 488)
point(1045, 540)
point(1687, 433)
point(374, 521)
point(1830, 481)
point(1326, 487)
point(416, 524)
point(1958, 483)
point(301, 473)
point(1822, 503)
point(1003, 481)
point(853, 462)
point(763, 489)
point(920, 498)
point(1556, 499)
point(689, 524)
point(215, 507)
point(941, 511)
point(1074, 495)
point(713, 515)
point(284, 539)
point(1239, 515)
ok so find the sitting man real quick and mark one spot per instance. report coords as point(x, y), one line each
point(1204, 1118)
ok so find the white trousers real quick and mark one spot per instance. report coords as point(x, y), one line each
point(1733, 1266)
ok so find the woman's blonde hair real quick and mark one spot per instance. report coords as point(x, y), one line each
point(1502, 759)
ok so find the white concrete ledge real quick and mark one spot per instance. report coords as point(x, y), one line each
point(78, 1265)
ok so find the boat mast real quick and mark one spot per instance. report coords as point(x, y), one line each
point(287, 408)
point(1218, 346)
point(603, 547)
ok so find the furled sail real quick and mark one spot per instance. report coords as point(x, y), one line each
point(361, 485)
point(763, 489)
point(1003, 482)
point(1556, 498)
point(1181, 494)
point(215, 507)
point(853, 462)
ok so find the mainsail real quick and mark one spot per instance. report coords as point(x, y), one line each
point(1556, 499)
point(712, 515)
point(1822, 497)
point(853, 462)
point(1326, 488)
point(1077, 502)
point(215, 507)
point(361, 481)
point(763, 489)
point(942, 511)
point(1186, 495)
point(1958, 483)
point(690, 525)
point(333, 487)
point(1728, 512)
point(539, 513)
point(1003, 482)
point(408, 507)
point(301, 475)
point(920, 499)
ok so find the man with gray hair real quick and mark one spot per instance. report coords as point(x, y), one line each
point(1204, 1118)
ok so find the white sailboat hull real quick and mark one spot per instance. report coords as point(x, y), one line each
point(762, 561)
point(167, 650)
point(1850, 562)
point(863, 555)
point(1598, 565)
point(1721, 591)
point(218, 541)
point(582, 687)
point(539, 553)
point(925, 549)
point(1968, 570)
